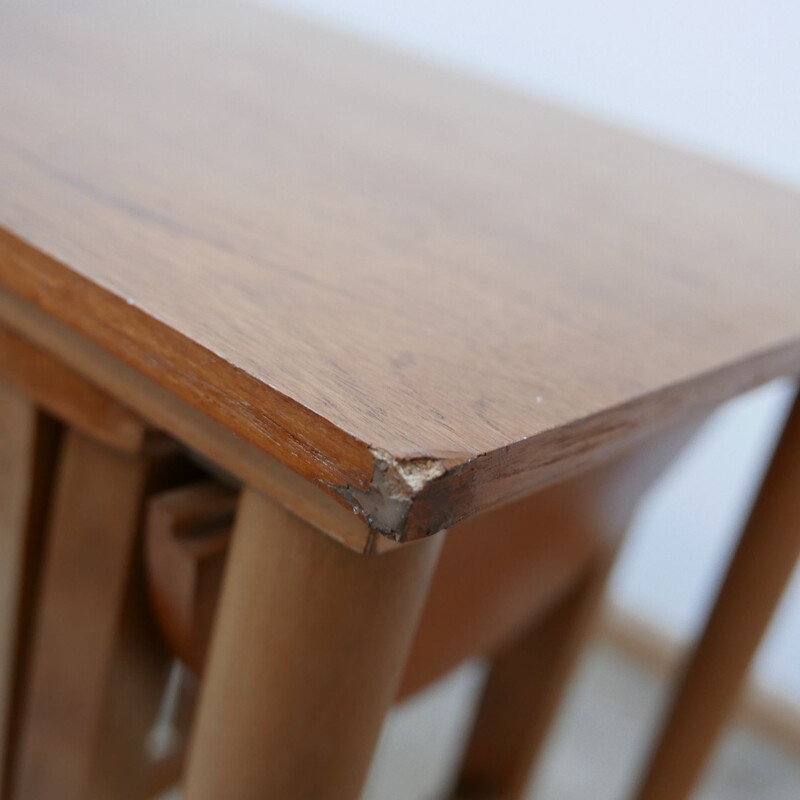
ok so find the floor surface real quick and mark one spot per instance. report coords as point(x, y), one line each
point(597, 743)
point(593, 754)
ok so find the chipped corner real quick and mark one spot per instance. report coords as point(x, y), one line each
point(396, 482)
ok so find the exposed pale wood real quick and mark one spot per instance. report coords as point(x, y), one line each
point(423, 292)
point(522, 692)
point(307, 653)
point(762, 564)
point(66, 395)
point(28, 448)
point(97, 666)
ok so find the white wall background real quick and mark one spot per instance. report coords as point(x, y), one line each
point(721, 77)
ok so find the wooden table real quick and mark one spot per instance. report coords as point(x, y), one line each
point(382, 297)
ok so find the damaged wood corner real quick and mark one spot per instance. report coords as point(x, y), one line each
point(396, 482)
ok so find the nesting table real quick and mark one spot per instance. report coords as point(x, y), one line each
point(278, 308)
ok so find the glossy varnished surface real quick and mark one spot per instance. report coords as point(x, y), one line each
point(422, 292)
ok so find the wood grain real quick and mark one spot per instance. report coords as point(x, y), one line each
point(217, 445)
point(424, 293)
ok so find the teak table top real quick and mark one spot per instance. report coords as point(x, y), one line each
point(422, 292)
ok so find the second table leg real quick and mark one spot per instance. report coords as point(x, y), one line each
point(761, 567)
point(520, 699)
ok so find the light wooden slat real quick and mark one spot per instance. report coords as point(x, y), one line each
point(76, 402)
point(97, 664)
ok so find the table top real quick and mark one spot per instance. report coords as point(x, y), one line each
point(423, 292)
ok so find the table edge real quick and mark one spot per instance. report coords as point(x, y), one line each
point(403, 498)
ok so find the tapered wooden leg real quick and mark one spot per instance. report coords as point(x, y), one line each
point(28, 448)
point(763, 562)
point(306, 656)
point(95, 678)
point(526, 682)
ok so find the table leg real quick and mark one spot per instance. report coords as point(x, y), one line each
point(526, 682)
point(761, 567)
point(28, 451)
point(94, 682)
point(306, 656)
